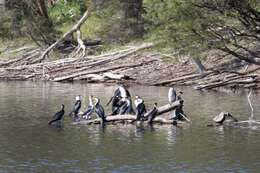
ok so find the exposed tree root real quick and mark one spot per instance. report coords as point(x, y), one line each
point(75, 28)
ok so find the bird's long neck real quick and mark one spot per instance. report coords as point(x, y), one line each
point(138, 101)
point(90, 101)
point(122, 91)
point(96, 101)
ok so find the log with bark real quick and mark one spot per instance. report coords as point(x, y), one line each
point(81, 73)
point(103, 77)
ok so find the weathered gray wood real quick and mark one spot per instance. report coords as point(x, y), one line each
point(192, 76)
point(63, 78)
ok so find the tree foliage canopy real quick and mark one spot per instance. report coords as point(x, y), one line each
point(190, 26)
point(198, 25)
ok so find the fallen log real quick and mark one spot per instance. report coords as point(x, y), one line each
point(113, 76)
point(227, 82)
point(161, 110)
point(25, 57)
point(103, 77)
point(91, 77)
point(70, 77)
point(183, 78)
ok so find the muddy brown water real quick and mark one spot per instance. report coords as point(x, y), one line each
point(28, 144)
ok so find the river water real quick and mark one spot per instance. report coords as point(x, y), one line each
point(28, 144)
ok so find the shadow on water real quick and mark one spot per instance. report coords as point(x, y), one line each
point(29, 144)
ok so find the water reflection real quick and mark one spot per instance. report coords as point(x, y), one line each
point(28, 144)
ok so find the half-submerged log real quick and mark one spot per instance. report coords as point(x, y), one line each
point(132, 118)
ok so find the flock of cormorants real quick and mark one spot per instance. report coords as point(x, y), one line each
point(121, 104)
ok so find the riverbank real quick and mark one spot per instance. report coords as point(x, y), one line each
point(138, 63)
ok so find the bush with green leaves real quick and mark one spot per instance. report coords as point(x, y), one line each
point(66, 11)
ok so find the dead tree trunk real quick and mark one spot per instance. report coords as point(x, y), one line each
point(67, 34)
point(132, 21)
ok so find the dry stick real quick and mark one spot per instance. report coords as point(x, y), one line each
point(185, 117)
point(23, 58)
point(74, 29)
point(58, 79)
point(251, 106)
point(251, 118)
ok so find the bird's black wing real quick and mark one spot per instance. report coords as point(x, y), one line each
point(128, 93)
point(130, 109)
point(77, 106)
point(58, 116)
point(115, 95)
point(152, 114)
point(123, 108)
point(100, 111)
point(143, 108)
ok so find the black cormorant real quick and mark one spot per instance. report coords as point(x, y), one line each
point(119, 93)
point(152, 114)
point(140, 107)
point(99, 109)
point(76, 108)
point(58, 115)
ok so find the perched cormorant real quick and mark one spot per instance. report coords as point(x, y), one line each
point(140, 107)
point(152, 114)
point(126, 106)
point(99, 109)
point(58, 115)
point(117, 103)
point(90, 109)
point(172, 96)
point(76, 108)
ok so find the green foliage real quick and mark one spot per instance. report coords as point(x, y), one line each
point(198, 25)
point(66, 12)
point(5, 27)
point(102, 21)
point(174, 22)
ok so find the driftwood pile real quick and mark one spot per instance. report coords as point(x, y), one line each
point(133, 63)
point(101, 68)
point(240, 76)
